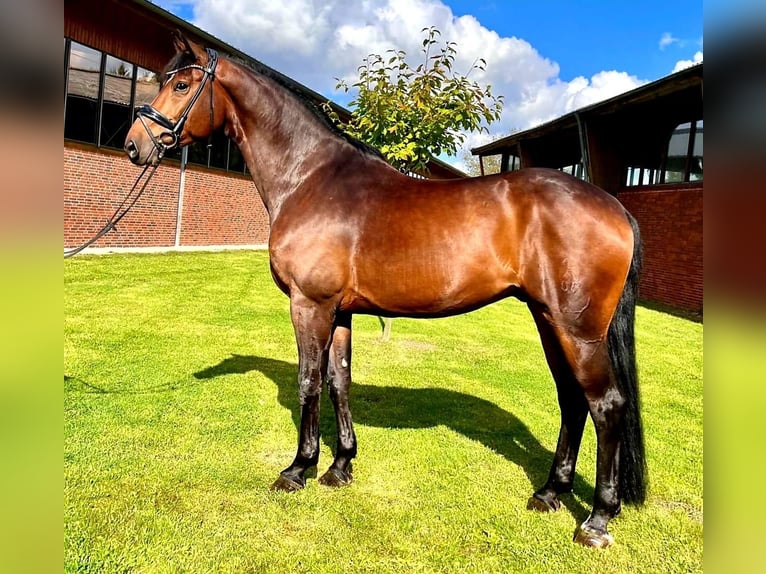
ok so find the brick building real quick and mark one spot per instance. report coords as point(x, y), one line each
point(114, 50)
point(645, 148)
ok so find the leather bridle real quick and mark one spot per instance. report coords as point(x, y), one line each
point(174, 128)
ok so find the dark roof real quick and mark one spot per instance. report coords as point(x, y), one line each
point(645, 96)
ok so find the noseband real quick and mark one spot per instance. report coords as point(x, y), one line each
point(174, 128)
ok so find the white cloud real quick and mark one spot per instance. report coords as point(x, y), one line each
point(556, 98)
point(681, 64)
point(316, 41)
point(667, 39)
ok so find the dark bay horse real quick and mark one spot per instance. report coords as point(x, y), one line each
point(350, 234)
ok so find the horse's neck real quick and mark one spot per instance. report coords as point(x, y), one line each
point(282, 142)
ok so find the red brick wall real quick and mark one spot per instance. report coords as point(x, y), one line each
point(670, 218)
point(222, 210)
point(218, 208)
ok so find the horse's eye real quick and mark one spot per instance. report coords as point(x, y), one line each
point(180, 87)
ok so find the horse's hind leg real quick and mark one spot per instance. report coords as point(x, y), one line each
point(313, 327)
point(607, 409)
point(574, 412)
point(584, 350)
point(338, 382)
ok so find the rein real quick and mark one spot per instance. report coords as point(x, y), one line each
point(118, 214)
point(173, 131)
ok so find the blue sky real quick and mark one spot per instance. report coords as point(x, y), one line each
point(586, 37)
point(546, 57)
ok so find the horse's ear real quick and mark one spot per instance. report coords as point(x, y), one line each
point(180, 43)
point(183, 44)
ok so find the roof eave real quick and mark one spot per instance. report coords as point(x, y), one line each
point(569, 119)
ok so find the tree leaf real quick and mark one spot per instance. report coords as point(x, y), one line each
point(412, 114)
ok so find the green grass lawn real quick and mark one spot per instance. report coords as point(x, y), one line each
point(181, 407)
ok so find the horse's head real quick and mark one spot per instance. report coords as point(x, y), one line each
point(186, 109)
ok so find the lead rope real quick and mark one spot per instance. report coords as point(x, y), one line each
point(119, 213)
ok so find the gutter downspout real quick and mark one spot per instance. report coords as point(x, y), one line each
point(583, 147)
point(181, 185)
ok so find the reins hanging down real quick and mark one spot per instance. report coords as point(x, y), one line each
point(118, 214)
point(174, 132)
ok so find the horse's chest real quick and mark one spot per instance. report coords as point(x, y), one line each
point(314, 266)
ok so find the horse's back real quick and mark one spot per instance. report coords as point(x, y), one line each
point(430, 248)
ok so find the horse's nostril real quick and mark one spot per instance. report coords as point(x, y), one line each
point(131, 149)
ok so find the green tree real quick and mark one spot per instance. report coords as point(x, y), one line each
point(414, 114)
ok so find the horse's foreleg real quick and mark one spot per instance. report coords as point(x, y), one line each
point(338, 382)
point(313, 326)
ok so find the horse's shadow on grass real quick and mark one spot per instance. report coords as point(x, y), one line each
point(396, 407)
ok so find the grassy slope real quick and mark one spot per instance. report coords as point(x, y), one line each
point(180, 410)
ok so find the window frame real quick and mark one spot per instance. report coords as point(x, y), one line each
point(656, 176)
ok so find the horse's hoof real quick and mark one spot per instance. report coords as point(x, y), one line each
point(587, 536)
point(542, 504)
point(285, 484)
point(335, 478)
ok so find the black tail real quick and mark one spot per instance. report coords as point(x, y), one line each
point(622, 355)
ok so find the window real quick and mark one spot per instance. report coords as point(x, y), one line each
point(102, 92)
point(485, 165)
point(684, 157)
point(119, 86)
point(216, 156)
point(514, 162)
point(99, 94)
point(83, 93)
point(236, 161)
point(224, 154)
point(643, 176)
point(682, 161)
point(147, 87)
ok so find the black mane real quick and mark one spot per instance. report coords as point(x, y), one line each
point(295, 90)
point(185, 58)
